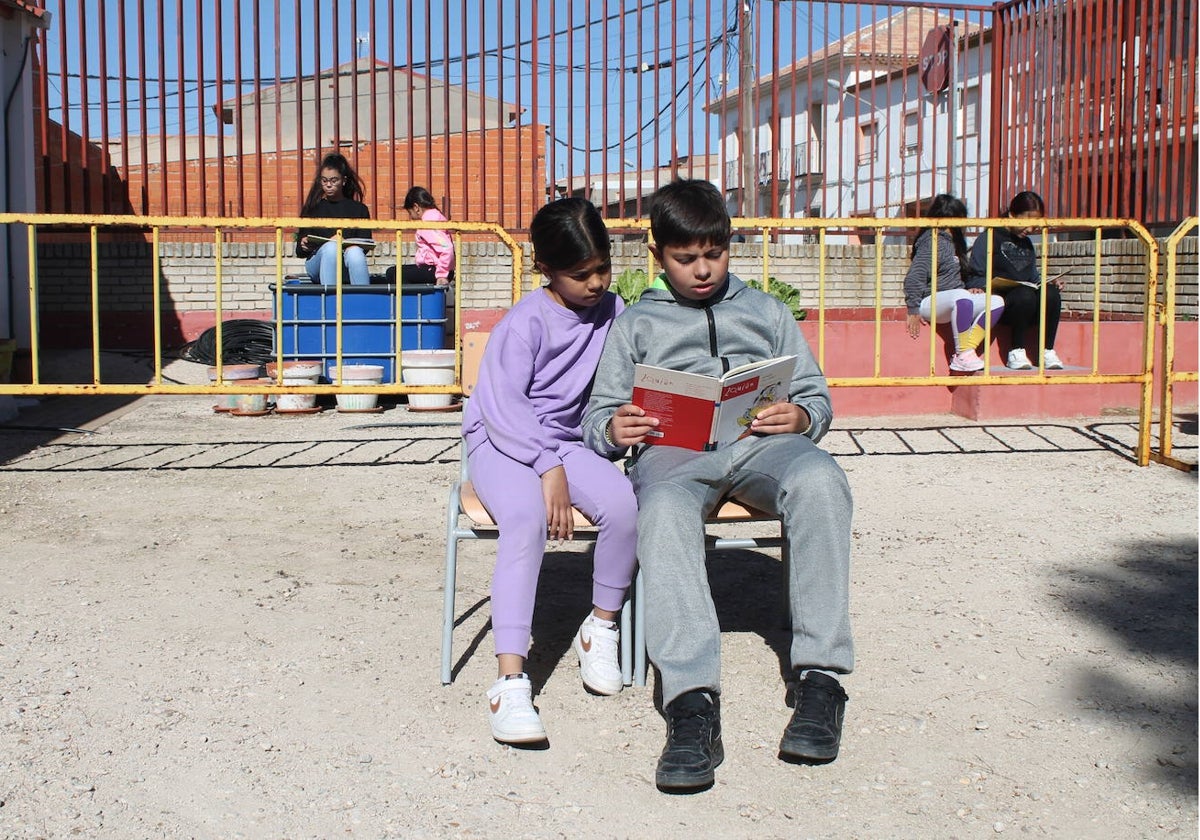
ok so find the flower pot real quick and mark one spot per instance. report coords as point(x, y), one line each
point(297, 374)
point(296, 402)
point(357, 375)
point(297, 370)
point(428, 367)
point(232, 375)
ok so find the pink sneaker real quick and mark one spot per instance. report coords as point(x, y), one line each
point(966, 361)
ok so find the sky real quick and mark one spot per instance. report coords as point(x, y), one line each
point(599, 58)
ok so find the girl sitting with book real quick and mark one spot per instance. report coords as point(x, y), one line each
point(336, 193)
point(1013, 258)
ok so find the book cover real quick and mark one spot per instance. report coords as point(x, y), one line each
point(1002, 283)
point(701, 412)
point(348, 240)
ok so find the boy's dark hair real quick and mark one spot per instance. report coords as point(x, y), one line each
point(567, 232)
point(687, 211)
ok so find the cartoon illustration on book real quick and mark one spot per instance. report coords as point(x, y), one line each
point(765, 398)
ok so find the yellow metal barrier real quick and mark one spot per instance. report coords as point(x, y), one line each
point(1143, 378)
point(1169, 376)
point(219, 227)
point(765, 227)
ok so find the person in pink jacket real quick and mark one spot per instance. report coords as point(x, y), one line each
point(435, 249)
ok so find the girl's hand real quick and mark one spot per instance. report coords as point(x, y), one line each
point(560, 521)
point(1058, 281)
point(629, 425)
point(914, 325)
point(304, 242)
point(781, 418)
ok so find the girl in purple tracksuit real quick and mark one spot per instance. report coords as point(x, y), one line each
point(529, 466)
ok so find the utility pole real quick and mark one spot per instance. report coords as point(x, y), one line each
point(746, 110)
point(953, 105)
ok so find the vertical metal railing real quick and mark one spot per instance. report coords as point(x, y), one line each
point(1168, 374)
point(1098, 106)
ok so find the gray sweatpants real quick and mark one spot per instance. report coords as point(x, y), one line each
point(783, 474)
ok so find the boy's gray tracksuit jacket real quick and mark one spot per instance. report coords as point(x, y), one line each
point(710, 337)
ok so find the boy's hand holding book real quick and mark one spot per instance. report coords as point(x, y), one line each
point(629, 426)
point(781, 418)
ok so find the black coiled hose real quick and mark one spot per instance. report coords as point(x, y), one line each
point(244, 342)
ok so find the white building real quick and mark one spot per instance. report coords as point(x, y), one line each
point(19, 22)
point(854, 132)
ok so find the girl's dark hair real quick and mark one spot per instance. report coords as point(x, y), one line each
point(946, 206)
point(351, 185)
point(567, 232)
point(687, 211)
point(419, 197)
point(1026, 202)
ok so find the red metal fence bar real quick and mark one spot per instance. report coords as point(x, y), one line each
point(804, 107)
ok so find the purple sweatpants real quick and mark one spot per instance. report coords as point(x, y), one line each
point(512, 493)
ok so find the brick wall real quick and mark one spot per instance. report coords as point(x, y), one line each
point(462, 171)
point(188, 270)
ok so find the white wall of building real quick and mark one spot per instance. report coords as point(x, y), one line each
point(827, 167)
point(16, 171)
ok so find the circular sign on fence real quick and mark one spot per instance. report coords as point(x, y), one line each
point(935, 59)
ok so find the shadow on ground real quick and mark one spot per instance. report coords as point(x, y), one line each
point(1146, 599)
point(748, 589)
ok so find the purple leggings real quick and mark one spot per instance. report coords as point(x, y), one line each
point(512, 493)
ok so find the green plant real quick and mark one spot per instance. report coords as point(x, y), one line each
point(630, 284)
point(790, 295)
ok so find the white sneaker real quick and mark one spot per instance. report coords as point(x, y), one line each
point(599, 662)
point(1051, 361)
point(514, 720)
point(1018, 360)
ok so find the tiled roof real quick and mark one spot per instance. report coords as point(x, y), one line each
point(28, 7)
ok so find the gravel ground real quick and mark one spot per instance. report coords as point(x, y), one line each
point(217, 626)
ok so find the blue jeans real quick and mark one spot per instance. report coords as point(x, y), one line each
point(322, 266)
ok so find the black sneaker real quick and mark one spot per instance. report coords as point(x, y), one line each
point(815, 730)
point(693, 749)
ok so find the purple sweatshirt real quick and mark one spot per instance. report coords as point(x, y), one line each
point(536, 377)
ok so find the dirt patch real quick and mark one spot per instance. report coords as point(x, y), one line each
point(221, 626)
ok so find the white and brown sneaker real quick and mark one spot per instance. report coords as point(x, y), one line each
point(596, 644)
point(514, 719)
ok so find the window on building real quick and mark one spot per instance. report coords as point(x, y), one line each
point(868, 136)
point(912, 132)
point(970, 107)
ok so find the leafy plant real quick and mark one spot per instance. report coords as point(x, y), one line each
point(790, 295)
point(630, 284)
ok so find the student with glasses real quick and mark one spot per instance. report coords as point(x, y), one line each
point(336, 193)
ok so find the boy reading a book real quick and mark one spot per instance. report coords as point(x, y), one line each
point(705, 320)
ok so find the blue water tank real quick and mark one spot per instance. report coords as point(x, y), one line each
point(308, 322)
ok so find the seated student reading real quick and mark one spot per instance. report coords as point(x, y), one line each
point(1014, 259)
point(963, 308)
point(705, 320)
point(336, 193)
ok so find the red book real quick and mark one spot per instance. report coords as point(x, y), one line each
point(707, 412)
